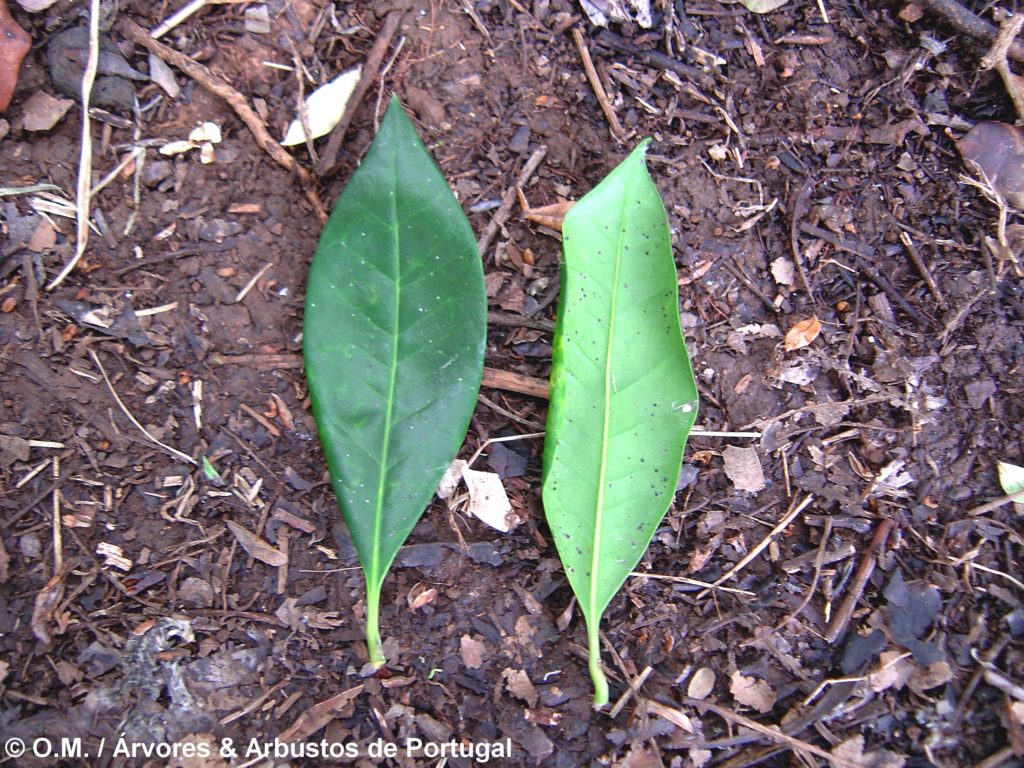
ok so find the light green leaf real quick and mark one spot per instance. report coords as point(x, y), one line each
point(394, 337)
point(623, 397)
point(1011, 478)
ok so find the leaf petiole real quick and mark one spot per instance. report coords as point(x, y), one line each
point(594, 660)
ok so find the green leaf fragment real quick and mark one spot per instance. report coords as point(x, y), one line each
point(210, 472)
point(1011, 478)
point(623, 396)
point(395, 329)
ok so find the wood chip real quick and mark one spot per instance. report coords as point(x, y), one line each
point(256, 547)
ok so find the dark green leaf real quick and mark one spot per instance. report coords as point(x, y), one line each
point(394, 340)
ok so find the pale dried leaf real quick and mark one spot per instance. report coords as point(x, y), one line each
point(451, 478)
point(802, 334)
point(488, 500)
point(324, 108)
point(256, 547)
point(1017, 712)
point(783, 270)
point(162, 75)
point(743, 468)
point(893, 672)
point(177, 147)
point(751, 692)
point(699, 757)
point(205, 132)
point(34, 6)
point(763, 6)
point(472, 651)
point(45, 604)
point(701, 684)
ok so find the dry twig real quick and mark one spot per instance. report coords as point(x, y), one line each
point(595, 82)
point(505, 209)
point(837, 627)
point(329, 158)
point(971, 24)
point(83, 196)
point(124, 409)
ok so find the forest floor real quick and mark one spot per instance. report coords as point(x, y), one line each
point(847, 577)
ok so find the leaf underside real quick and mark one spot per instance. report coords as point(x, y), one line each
point(623, 396)
point(395, 328)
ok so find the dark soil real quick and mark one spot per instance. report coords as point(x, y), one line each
point(791, 154)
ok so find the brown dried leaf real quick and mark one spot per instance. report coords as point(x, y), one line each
point(472, 651)
point(852, 752)
point(41, 111)
point(802, 334)
point(550, 216)
point(996, 150)
point(520, 686)
point(751, 692)
point(257, 547)
point(319, 715)
point(420, 595)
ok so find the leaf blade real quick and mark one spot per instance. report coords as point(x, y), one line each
point(393, 342)
point(620, 372)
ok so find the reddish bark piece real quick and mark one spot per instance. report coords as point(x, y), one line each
point(14, 45)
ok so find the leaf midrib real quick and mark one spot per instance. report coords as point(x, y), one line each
point(606, 419)
point(378, 514)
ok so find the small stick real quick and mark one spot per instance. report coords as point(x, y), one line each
point(633, 689)
point(996, 59)
point(236, 101)
point(329, 158)
point(252, 282)
point(819, 563)
point(505, 209)
point(691, 582)
point(132, 419)
point(736, 272)
point(812, 407)
point(170, 23)
point(532, 425)
point(595, 83)
point(83, 196)
point(797, 208)
point(510, 320)
point(779, 527)
point(923, 269)
point(837, 627)
point(58, 538)
point(771, 733)
point(515, 382)
point(969, 23)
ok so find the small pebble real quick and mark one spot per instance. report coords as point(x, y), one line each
point(520, 142)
